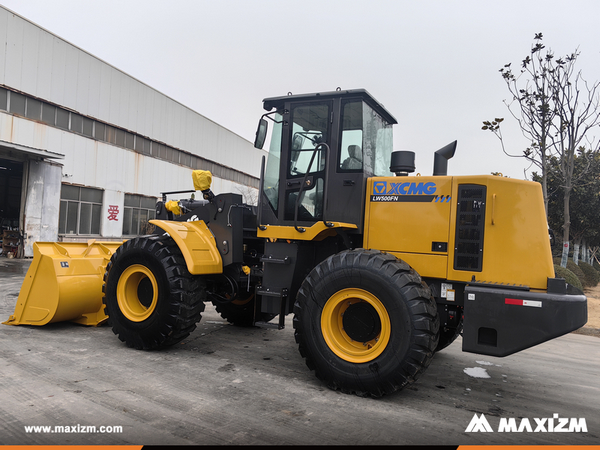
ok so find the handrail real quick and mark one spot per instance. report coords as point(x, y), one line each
point(325, 186)
point(261, 187)
point(312, 158)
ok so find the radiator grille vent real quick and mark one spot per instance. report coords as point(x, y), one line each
point(470, 221)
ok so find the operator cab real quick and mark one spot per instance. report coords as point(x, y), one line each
point(323, 148)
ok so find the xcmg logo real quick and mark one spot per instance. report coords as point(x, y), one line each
point(406, 191)
point(553, 424)
point(405, 188)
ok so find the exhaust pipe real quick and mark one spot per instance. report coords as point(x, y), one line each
point(440, 159)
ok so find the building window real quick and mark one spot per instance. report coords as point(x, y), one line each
point(111, 134)
point(88, 127)
point(185, 159)
point(17, 103)
point(62, 118)
point(120, 141)
point(99, 129)
point(142, 145)
point(174, 155)
point(3, 99)
point(159, 150)
point(138, 211)
point(49, 114)
point(34, 109)
point(76, 123)
point(130, 141)
point(80, 210)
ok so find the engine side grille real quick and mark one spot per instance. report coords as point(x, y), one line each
point(470, 221)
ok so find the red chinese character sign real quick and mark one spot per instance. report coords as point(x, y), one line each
point(113, 212)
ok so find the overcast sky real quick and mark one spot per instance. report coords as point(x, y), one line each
point(433, 64)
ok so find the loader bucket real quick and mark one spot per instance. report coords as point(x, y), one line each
point(64, 283)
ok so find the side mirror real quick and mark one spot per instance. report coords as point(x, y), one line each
point(261, 133)
point(297, 142)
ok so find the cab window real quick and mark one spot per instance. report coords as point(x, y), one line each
point(310, 127)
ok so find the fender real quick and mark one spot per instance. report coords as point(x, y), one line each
point(197, 245)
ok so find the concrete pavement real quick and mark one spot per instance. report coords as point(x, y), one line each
point(229, 385)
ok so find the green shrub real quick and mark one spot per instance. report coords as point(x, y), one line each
point(570, 277)
point(573, 268)
point(592, 277)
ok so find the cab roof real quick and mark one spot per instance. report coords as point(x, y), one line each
point(279, 102)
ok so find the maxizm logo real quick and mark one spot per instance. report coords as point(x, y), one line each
point(406, 188)
point(553, 424)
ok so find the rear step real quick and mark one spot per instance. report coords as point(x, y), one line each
point(274, 326)
point(282, 294)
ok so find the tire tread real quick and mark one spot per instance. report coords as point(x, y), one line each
point(185, 300)
point(418, 299)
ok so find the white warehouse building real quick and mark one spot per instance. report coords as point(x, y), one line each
point(86, 150)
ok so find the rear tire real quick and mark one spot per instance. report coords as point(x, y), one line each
point(240, 312)
point(151, 298)
point(365, 323)
point(448, 336)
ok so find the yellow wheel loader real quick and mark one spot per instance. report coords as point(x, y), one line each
point(380, 268)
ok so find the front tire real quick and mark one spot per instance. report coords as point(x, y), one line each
point(151, 298)
point(366, 323)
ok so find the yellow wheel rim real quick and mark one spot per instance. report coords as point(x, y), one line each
point(367, 322)
point(137, 293)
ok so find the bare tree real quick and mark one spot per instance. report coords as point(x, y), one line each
point(577, 107)
point(557, 109)
point(532, 93)
point(249, 194)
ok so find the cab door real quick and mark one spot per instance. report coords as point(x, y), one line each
point(309, 127)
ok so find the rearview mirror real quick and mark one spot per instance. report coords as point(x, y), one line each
point(261, 134)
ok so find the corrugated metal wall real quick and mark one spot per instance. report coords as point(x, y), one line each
point(98, 164)
point(41, 64)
